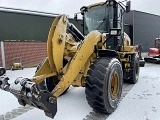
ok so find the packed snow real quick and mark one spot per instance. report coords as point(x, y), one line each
point(141, 103)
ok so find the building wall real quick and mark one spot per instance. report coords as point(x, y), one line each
point(145, 28)
point(16, 26)
point(27, 26)
point(20, 27)
point(142, 28)
point(128, 21)
point(128, 18)
point(30, 53)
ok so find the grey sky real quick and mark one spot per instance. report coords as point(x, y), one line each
point(72, 6)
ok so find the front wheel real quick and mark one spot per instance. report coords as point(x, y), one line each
point(49, 83)
point(104, 84)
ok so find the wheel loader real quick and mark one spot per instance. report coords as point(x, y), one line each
point(100, 60)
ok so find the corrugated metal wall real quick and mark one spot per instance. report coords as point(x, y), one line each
point(15, 26)
point(25, 26)
point(146, 28)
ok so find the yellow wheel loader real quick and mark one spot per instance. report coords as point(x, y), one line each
point(98, 61)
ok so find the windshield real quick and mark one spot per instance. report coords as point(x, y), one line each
point(98, 18)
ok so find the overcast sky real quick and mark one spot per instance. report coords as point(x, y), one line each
point(72, 6)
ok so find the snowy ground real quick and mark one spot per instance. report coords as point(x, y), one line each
point(7, 100)
point(141, 103)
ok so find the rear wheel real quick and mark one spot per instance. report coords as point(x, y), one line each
point(104, 84)
point(133, 74)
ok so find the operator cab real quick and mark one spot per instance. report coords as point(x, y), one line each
point(106, 17)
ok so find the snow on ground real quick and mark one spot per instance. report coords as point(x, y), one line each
point(71, 106)
point(141, 103)
point(7, 100)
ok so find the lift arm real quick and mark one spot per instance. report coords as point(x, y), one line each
point(26, 90)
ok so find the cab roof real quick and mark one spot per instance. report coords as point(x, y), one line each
point(95, 4)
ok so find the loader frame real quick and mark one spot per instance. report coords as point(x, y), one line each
point(66, 43)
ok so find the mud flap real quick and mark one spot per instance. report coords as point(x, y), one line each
point(27, 93)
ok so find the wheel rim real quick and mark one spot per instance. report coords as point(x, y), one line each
point(114, 85)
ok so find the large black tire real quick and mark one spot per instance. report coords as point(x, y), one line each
point(49, 83)
point(104, 84)
point(133, 74)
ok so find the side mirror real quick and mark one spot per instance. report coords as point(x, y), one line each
point(115, 32)
point(75, 16)
point(128, 6)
